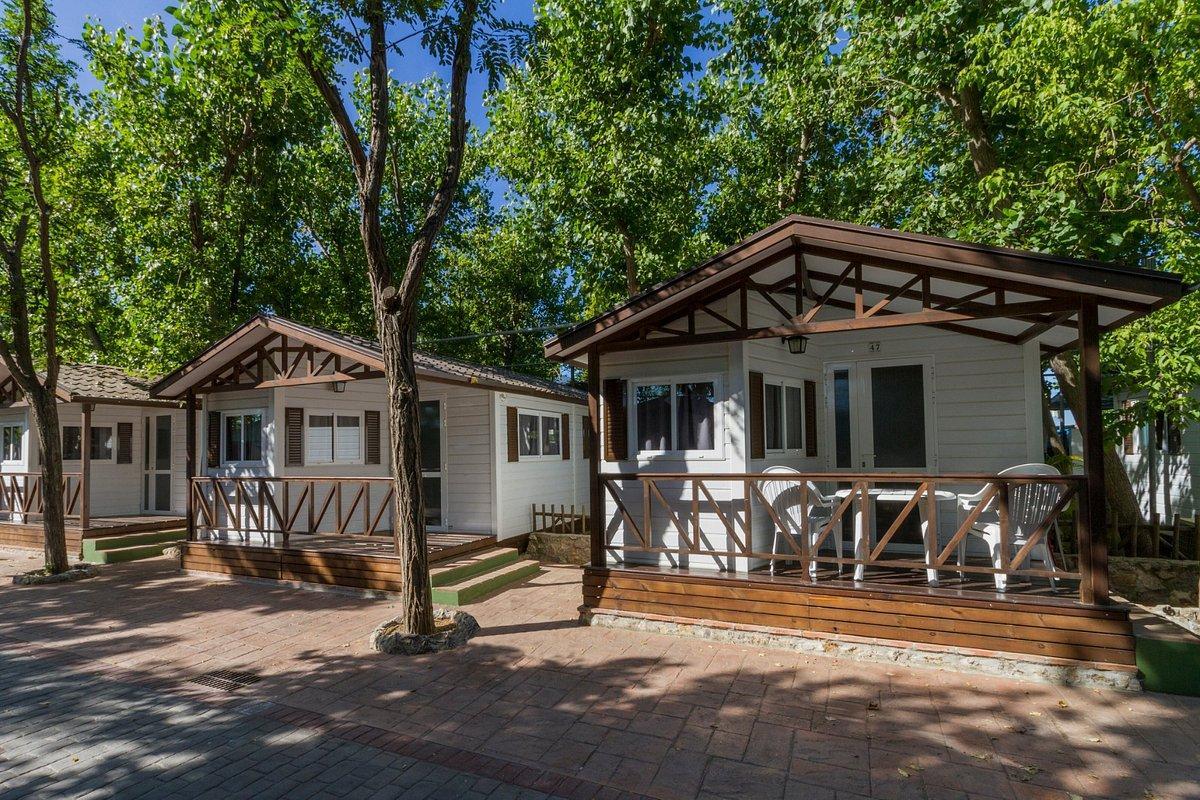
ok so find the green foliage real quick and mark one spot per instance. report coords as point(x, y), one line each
point(602, 134)
point(50, 116)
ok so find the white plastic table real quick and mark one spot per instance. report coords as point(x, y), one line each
point(862, 535)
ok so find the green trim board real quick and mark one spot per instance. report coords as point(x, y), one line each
point(1168, 655)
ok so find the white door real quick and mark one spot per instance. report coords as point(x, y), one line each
point(881, 415)
point(156, 445)
point(881, 419)
point(433, 484)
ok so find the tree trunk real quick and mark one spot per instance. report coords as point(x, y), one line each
point(408, 509)
point(632, 286)
point(1057, 445)
point(1122, 502)
point(43, 406)
point(967, 105)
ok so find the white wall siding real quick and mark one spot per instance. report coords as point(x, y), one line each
point(724, 363)
point(549, 480)
point(982, 392)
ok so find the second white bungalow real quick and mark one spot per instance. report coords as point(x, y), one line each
point(290, 477)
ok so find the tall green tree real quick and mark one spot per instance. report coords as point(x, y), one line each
point(321, 34)
point(37, 109)
point(602, 132)
point(189, 140)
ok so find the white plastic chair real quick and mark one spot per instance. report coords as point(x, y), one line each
point(784, 497)
point(1028, 505)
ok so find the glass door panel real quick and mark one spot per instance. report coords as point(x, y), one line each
point(431, 462)
point(898, 416)
point(156, 461)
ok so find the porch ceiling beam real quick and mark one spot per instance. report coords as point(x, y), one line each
point(945, 302)
point(994, 282)
point(879, 321)
point(332, 377)
point(1034, 331)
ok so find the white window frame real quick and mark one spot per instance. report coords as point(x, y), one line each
point(784, 384)
point(20, 428)
point(326, 412)
point(245, 412)
point(541, 417)
point(718, 450)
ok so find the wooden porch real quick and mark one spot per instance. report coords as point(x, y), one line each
point(746, 550)
point(345, 560)
point(690, 540)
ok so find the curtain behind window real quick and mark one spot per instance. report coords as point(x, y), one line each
point(695, 415)
point(654, 417)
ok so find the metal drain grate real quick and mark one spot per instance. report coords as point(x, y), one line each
point(226, 680)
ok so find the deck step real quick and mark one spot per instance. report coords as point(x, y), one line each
point(476, 586)
point(119, 554)
point(130, 547)
point(462, 568)
point(133, 539)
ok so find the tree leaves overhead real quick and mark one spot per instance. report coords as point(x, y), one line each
point(627, 140)
point(602, 133)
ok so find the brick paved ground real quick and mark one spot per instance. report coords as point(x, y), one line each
point(535, 702)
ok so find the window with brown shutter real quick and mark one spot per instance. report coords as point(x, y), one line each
point(810, 419)
point(293, 437)
point(755, 411)
point(124, 442)
point(1127, 442)
point(214, 439)
point(616, 425)
point(514, 435)
point(566, 437)
point(371, 423)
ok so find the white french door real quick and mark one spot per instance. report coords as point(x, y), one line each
point(880, 415)
point(433, 483)
point(156, 463)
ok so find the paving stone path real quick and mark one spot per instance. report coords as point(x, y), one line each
point(71, 732)
point(96, 699)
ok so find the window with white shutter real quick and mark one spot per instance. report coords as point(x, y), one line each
point(318, 439)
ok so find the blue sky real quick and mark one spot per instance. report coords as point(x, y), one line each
point(414, 66)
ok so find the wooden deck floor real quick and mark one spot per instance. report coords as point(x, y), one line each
point(30, 534)
point(357, 562)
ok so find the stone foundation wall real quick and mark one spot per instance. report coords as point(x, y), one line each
point(1155, 581)
point(560, 548)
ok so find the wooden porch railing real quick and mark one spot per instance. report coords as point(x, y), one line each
point(554, 518)
point(650, 507)
point(291, 505)
point(21, 494)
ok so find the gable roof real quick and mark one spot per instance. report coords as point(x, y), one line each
point(103, 384)
point(1122, 293)
point(367, 351)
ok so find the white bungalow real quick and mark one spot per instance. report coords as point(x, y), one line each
point(823, 384)
point(293, 451)
point(123, 458)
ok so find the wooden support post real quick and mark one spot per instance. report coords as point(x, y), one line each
point(595, 492)
point(1093, 545)
point(85, 477)
point(190, 464)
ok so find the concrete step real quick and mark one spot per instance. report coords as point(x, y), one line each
point(133, 539)
point(477, 586)
point(460, 569)
point(119, 554)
